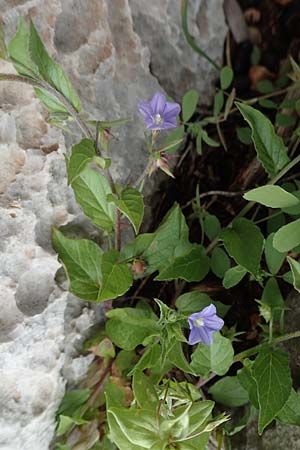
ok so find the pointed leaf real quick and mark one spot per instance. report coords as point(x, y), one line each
point(272, 196)
point(116, 276)
point(131, 204)
point(193, 266)
point(270, 148)
point(233, 276)
point(189, 103)
point(82, 261)
point(295, 269)
point(272, 375)
point(91, 189)
point(274, 258)
point(244, 242)
point(287, 237)
point(229, 392)
point(19, 52)
point(49, 70)
point(82, 154)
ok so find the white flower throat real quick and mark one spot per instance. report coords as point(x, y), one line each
point(199, 322)
point(158, 119)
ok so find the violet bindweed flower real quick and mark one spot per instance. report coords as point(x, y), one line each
point(203, 325)
point(158, 113)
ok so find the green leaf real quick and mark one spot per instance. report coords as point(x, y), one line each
point(116, 276)
point(290, 413)
point(65, 423)
point(265, 86)
point(73, 401)
point(49, 70)
point(174, 136)
point(272, 375)
point(244, 243)
point(233, 276)
point(128, 327)
point(138, 426)
point(170, 241)
point(226, 77)
point(244, 135)
point(216, 357)
point(274, 258)
point(82, 261)
point(229, 392)
point(199, 143)
point(287, 237)
point(270, 148)
point(285, 121)
point(192, 302)
point(208, 140)
point(267, 103)
point(19, 52)
point(272, 196)
point(212, 226)
point(138, 246)
point(144, 391)
point(82, 154)
point(178, 359)
point(193, 266)
point(218, 103)
point(53, 105)
point(189, 103)
point(272, 298)
point(248, 382)
point(91, 189)
point(220, 262)
point(131, 204)
point(295, 269)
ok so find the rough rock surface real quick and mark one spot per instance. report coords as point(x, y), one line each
point(42, 326)
point(173, 62)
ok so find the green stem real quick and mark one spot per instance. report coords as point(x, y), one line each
point(189, 37)
point(252, 351)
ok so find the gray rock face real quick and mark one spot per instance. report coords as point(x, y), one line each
point(173, 62)
point(41, 326)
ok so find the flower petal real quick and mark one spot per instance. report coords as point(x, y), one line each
point(170, 124)
point(195, 337)
point(214, 323)
point(145, 109)
point(209, 311)
point(158, 103)
point(171, 110)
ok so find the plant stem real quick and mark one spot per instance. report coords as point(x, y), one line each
point(252, 351)
point(189, 37)
point(118, 230)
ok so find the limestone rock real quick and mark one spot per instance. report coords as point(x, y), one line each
point(42, 327)
point(176, 66)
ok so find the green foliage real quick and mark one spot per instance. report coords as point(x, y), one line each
point(216, 357)
point(82, 154)
point(220, 262)
point(131, 204)
point(274, 258)
point(189, 103)
point(226, 77)
point(244, 243)
point(272, 375)
point(270, 148)
point(229, 392)
point(192, 302)
point(233, 276)
point(91, 191)
point(295, 269)
point(82, 261)
point(287, 237)
point(272, 196)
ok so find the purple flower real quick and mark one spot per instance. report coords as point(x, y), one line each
point(158, 113)
point(203, 325)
